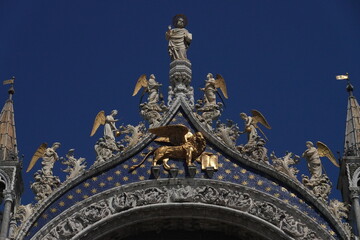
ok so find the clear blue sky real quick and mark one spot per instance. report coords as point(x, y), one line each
point(72, 59)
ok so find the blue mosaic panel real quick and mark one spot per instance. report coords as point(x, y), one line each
point(229, 170)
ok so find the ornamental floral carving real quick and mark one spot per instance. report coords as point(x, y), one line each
point(72, 225)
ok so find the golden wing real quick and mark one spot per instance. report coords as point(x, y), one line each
point(141, 82)
point(220, 83)
point(38, 154)
point(324, 151)
point(259, 118)
point(99, 120)
point(174, 134)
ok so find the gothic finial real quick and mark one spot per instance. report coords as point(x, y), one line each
point(11, 90)
point(349, 86)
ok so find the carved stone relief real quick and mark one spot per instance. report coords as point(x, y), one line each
point(89, 215)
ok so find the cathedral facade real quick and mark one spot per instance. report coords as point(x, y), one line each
point(181, 175)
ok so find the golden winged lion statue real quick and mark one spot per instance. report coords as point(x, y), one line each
point(185, 145)
point(312, 155)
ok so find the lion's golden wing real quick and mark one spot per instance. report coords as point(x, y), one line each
point(38, 154)
point(324, 151)
point(141, 82)
point(99, 120)
point(174, 134)
point(220, 83)
point(259, 118)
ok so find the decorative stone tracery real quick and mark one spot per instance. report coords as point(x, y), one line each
point(103, 207)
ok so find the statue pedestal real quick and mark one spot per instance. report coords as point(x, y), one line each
point(180, 69)
point(174, 172)
point(155, 171)
point(210, 171)
point(192, 171)
point(180, 80)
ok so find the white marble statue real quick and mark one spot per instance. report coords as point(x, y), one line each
point(313, 160)
point(251, 126)
point(179, 38)
point(45, 181)
point(49, 157)
point(151, 87)
point(109, 125)
point(210, 89)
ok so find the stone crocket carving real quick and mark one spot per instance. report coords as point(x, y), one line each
point(339, 209)
point(75, 167)
point(187, 146)
point(285, 163)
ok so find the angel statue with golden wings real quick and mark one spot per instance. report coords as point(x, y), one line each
point(312, 155)
point(45, 181)
point(319, 183)
point(110, 130)
point(210, 89)
point(251, 126)
point(151, 86)
point(152, 109)
point(49, 157)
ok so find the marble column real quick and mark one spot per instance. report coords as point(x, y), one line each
point(356, 206)
point(8, 200)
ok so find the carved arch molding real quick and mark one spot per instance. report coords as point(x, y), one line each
point(188, 205)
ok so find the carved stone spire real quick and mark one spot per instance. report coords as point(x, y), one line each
point(10, 166)
point(8, 146)
point(352, 130)
point(349, 177)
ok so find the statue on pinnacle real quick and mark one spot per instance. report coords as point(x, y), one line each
point(180, 73)
point(179, 38)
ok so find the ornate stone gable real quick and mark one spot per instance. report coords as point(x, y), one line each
point(233, 168)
